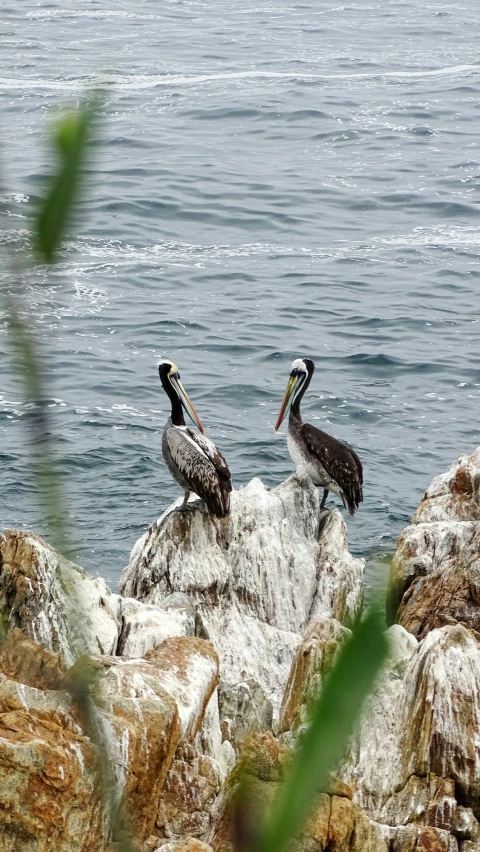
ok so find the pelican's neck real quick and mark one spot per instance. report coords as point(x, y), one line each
point(295, 416)
point(177, 410)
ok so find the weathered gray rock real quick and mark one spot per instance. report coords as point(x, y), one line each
point(256, 577)
point(421, 732)
point(67, 611)
point(245, 709)
point(415, 763)
point(144, 626)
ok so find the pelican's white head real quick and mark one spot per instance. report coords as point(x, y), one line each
point(301, 372)
point(170, 379)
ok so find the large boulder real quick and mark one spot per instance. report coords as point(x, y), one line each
point(54, 601)
point(70, 613)
point(148, 709)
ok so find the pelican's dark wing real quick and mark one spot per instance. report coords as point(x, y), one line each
point(217, 459)
point(202, 466)
point(340, 462)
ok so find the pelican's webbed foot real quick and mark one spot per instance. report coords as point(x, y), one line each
point(191, 506)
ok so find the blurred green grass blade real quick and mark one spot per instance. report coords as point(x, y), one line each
point(71, 138)
point(333, 718)
point(47, 474)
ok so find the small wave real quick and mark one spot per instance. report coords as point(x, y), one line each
point(437, 235)
point(16, 197)
point(88, 13)
point(136, 82)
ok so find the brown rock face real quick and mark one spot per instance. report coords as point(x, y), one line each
point(48, 787)
point(48, 784)
point(25, 661)
point(336, 823)
point(191, 788)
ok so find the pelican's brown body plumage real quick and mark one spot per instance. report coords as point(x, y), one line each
point(329, 462)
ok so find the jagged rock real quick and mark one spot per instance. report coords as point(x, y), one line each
point(453, 495)
point(276, 600)
point(256, 577)
point(54, 601)
point(69, 612)
point(418, 748)
point(312, 661)
point(336, 823)
point(435, 576)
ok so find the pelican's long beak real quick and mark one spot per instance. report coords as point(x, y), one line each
point(292, 383)
point(186, 402)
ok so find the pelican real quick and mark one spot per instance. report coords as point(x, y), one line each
point(192, 459)
point(328, 462)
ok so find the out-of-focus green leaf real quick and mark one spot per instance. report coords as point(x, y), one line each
point(333, 719)
point(71, 137)
point(46, 470)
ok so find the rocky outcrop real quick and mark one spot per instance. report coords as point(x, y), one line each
point(415, 764)
point(435, 578)
point(68, 612)
point(210, 660)
point(249, 585)
point(256, 578)
point(416, 757)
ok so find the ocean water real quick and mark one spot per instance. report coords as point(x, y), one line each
point(271, 180)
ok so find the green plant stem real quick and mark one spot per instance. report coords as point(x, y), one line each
point(333, 718)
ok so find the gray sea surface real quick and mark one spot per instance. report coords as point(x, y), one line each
point(271, 180)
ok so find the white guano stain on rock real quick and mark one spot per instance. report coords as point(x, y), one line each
point(256, 577)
